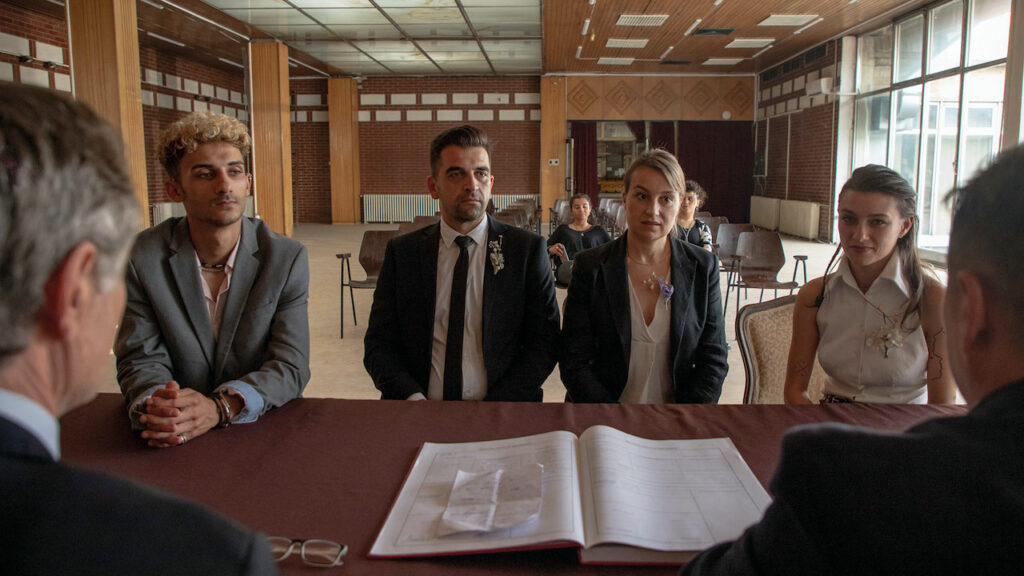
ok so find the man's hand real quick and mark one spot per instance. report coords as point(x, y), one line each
point(174, 416)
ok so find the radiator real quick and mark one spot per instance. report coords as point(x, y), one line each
point(502, 201)
point(799, 218)
point(764, 212)
point(164, 210)
point(391, 208)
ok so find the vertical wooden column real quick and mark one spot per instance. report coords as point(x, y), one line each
point(105, 72)
point(1013, 88)
point(270, 124)
point(343, 114)
point(553, 133)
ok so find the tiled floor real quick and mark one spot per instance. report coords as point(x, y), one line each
point(337, 364)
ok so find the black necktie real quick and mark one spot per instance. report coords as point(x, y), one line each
point(456, 323)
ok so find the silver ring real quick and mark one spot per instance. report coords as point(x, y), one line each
point(183, 438)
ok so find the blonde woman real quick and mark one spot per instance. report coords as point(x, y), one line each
point(643, 315)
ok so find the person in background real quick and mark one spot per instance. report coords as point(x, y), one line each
point(67, 218)
point(876, 324)
point(946, 496)
point(216, 330)
point(691, 229)
point(643, 314)
point(569, 239)
point(464, 309)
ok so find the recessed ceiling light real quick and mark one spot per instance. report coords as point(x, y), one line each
point(615, 61)
point(626, 43)
point(808, 25)
point(713, 31)
point(722, 61)
point(750, 42)
point(641, 19)
point(787, 20)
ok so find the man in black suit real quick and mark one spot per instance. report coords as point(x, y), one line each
point(67, 217)
point(464, 309)
point(946, 496)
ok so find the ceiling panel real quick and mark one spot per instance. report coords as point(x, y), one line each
point(366, 32)
point(260, 17)
point(347, 16)
point(509, 30)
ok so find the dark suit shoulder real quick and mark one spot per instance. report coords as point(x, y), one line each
point(60, 519)
point(602, 254)
point(698, 253)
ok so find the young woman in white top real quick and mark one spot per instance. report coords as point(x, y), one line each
point(876, 323)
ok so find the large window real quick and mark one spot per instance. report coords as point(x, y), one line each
point(929, 109)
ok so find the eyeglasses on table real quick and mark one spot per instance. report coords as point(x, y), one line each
point(321, 553)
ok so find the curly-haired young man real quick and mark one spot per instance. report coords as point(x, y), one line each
point(216, 328)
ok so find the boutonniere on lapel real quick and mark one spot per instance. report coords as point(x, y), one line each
point(665, 290)
point(497, 258)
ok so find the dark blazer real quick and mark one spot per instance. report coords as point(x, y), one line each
point(520, 316)
point(264, 334)
point(56, 519)
point(944, 497)
point(596, 333)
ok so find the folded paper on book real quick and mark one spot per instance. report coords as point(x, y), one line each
point(621, 498)
point(488, 501)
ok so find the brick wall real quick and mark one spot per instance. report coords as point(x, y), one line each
point(394, 136)
point(41, 37)
point(799, 130)
point(311, 154)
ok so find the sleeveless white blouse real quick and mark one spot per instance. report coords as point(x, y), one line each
point(650, 376)
point(851, 330)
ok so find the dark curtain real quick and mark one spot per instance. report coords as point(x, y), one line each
point(639, 130)
point(584, 160)
point(663, 135)
point(720, 155)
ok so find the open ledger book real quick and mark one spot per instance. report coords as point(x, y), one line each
point(620, 498)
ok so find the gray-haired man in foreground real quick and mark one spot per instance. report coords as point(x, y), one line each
point(67, 219)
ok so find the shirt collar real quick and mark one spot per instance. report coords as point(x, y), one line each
point(478, 234)
point(230, 264)
point(892, 274)
point(31, 416)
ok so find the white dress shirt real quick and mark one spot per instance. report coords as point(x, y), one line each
point(859, 369)
point(474, 373)
point(35, 419)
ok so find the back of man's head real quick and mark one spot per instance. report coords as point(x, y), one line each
point(63, 182)
point(186, 135)
point(987, 236)
point(465, 136)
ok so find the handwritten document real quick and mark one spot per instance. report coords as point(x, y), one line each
point(486, 501)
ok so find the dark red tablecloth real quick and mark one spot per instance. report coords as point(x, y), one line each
point(329, 468)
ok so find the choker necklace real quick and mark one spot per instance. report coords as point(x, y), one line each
point(211, 267)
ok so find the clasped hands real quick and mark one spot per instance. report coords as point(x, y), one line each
point(174, 416)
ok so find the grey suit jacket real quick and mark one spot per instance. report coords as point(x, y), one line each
point(56, 519)
point(520, 316)
point(264, 334)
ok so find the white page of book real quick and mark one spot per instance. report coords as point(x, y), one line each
point(668, 495)
point(411, 527)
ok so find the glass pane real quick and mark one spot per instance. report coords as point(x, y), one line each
point(871, 131)
point(983, 103)
point(907, 128)
point(909, 42)
point(989, 31)
point(938, 155)
point(874, 60)
point(944, 42)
